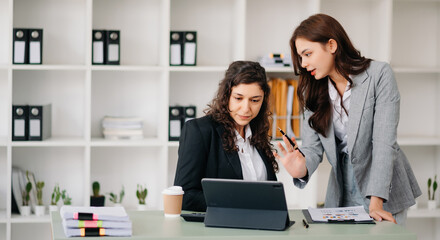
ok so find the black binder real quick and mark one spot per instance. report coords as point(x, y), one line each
point(176, 48)
point(113, 47)
point(175, 123)
point(245, 204)
point(35, 46)
point(98, 46)
point(189, 113)
point(21, 46)
point(20, 123)
point(190, 48)
point(40, 118)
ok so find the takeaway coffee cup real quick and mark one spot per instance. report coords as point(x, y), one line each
point(172, 201)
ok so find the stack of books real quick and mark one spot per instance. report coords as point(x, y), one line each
point(19, 181)
point(95, 221)
point(276, 60)
point(116, 128)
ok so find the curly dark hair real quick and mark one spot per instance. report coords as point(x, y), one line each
point(243, 72)
point(312, 94)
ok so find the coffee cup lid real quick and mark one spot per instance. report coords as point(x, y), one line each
point(174, 190)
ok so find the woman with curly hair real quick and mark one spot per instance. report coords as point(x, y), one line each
point(232, 140)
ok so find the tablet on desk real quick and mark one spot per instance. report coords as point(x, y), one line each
point(245, 204)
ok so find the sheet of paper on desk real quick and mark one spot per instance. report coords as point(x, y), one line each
point(357, 213)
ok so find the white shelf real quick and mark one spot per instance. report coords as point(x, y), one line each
point(418, 141)
point(198, 68)
point(127, 68)
point(147, 142)
point(424, 213)
point(279, 69)
point(402, 69)
point(30, 219)
point(48, 67)
point(52, 142)
point(173, 143)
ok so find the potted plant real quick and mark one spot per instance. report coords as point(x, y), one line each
point(56, 195)
point(40, 208)
point(96, 199)
point(66, 199)
point(431, 197)
point(114, 197)
point(25, 209)
point(141, 194)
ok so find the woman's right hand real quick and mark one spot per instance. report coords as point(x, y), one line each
point(292, 159)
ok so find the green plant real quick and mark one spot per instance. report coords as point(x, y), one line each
point(114, 197)
point(434, 187)
point(26, 193)
point(66, 199)
point(95, 187)
point(141, 194)
point(56, 195)
point(39, 187)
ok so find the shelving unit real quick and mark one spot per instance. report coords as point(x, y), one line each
point(403, 32)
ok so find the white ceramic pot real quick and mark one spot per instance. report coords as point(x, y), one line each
point(25, 210)
point(142, 207)
point(53, 208)
point(432, 204)
point(40, 210)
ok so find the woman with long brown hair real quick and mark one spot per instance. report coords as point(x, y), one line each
point(232, 140)
point(351, 112)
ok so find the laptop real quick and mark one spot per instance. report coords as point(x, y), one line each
point(245, 204)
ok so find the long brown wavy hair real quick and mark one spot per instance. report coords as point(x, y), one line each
point(243, 72)
point(312, 94)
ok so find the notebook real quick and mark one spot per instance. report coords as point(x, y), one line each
point(245, 204)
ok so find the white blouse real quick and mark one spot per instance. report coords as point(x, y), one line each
point(252, 164)
point(340, 117)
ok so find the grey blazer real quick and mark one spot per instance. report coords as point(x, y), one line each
point(380, 167)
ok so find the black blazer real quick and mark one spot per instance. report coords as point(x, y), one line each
point(201, 155)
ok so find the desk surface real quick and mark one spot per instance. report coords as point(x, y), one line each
point(153, 225)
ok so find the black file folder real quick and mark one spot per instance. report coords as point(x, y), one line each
point(175, 122)
point(35, 46)
point(190, 48)
point(245, 204)
point(21, 46)
point(20, 123)
point(176, 48)
point(40, 119)
point(189, 112)
point(113, 47)
point(98, 46)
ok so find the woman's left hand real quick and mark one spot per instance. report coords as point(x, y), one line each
point(377, 212)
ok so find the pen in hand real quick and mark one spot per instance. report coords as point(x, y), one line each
point(306, 225)
point(291, 142)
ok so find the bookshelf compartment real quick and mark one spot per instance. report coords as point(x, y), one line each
point(4, 105)
point(139, 23)
point(419, 93)
point(372, 39)
point(214, 44)
point(141, 166)
point(62, 165)
point(65, 90)
point(63, 24)
point(3, 181)
point(128, 94)
point(185, 89)
point(262, 37)
point(413, 20)
point(34, 231)
point(4, 32)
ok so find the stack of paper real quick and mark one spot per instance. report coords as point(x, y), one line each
point(116, 128)
point(276, 60)
point(19, 181)
point(95, 221)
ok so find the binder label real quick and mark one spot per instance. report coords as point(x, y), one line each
point(19, 49)
point(175, 128)
point(98, 50)
point(19, 127)
point(34, 128)
point(190, 53)
point(113, 52)
point(34, 52)
point(175, 54)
